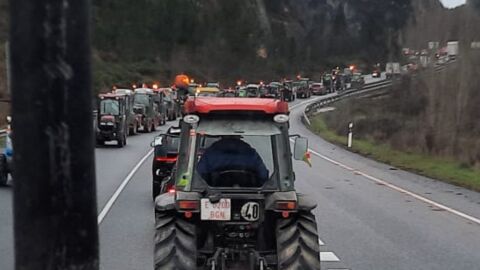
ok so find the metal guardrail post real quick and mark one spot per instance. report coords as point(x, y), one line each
point(54, 193)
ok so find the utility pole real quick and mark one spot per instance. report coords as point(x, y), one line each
point(54, 192)
point(7, 61)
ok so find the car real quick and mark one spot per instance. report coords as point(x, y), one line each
point(232, 214)
point(207, 92)
point(164, 158)
point(357, 81)
point(376, 73)
point(6, 156)
point(318, 89)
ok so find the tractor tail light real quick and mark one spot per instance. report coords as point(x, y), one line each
point(286, 205)
point(188, 205)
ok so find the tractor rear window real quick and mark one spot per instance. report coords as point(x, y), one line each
point(234, 160)
point(110, 107)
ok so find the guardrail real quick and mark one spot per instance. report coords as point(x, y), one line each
point(313, 108)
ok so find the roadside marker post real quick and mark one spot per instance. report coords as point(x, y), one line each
point(350, 135)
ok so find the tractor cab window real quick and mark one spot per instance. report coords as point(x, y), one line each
point(236, 153)
point(109, 107)
point(142, 99)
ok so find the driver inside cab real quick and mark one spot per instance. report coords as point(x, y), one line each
point(231, 153)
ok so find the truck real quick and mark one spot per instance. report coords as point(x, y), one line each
point(452, 49)
point(146, 109)
point(233, 215)
point(392, 69)
point(111, 121)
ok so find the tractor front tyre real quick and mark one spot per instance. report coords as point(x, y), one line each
point(175, 243)
point(3, 170)
point(297, 242)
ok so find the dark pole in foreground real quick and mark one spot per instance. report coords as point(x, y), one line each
point(54, 178)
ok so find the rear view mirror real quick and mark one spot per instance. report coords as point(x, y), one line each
point(300, 148)
point(157, 141)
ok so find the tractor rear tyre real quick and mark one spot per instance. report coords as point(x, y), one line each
point(175, 243)
point(3, 170)
point(297, 242)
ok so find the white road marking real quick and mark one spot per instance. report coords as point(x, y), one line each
point(394, 187)
point(119, 190)
point(328, 257)
point(320, 242)
point(399, 189)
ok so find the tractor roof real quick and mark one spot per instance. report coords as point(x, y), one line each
point(212, 104)
point(111, 96)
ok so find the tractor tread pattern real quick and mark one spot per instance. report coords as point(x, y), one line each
point(175, 243)
point(297, 243)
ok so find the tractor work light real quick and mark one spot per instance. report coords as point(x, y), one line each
point(281, 118)
point(191, 119)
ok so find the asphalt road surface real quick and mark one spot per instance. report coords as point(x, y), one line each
point(370, 216)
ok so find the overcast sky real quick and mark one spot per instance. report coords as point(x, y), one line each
point(453, 3)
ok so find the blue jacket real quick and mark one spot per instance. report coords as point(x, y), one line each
point(228, 154)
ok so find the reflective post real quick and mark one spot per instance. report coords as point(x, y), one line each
point(54, 176)
point(350, 135)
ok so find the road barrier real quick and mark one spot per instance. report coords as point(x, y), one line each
point(313, 108)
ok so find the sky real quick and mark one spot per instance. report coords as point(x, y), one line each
point(453, 3)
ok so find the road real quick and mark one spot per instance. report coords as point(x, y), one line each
point(364, 223)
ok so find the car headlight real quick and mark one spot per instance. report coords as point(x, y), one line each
point(110, 124)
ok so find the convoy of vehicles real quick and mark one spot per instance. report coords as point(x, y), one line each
point(233, 215)
point(6, 156)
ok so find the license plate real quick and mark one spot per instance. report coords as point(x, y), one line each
point(218, 211)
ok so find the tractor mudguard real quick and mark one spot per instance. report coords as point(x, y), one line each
point(165, 202)
point(306, 202)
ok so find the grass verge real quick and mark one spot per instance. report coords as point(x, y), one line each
point(434, 167)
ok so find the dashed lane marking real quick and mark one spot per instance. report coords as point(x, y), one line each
point(328, 257)
point(320, 242)
point(119, 190)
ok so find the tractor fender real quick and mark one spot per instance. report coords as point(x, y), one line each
point(305, 202)
point(165, 202)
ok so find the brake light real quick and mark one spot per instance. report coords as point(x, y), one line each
point(188, 205)
point(166, 159)
point(286, 205)
point(171, 188)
